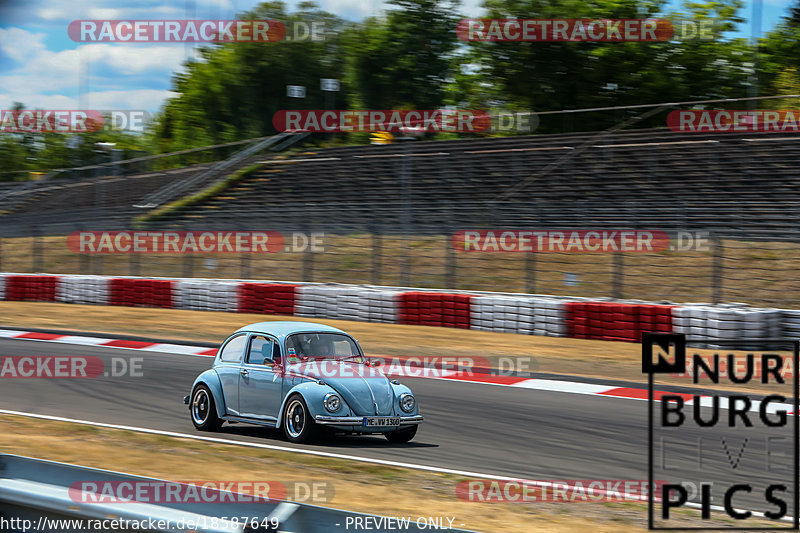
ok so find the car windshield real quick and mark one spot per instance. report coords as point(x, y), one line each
point(306, 346)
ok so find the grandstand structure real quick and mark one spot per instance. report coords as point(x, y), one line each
point(401, 203)
point(744, 186)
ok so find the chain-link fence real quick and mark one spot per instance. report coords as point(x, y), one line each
point(763, 273)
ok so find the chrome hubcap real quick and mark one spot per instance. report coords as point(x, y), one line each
point(200, 407)
point(295, 418)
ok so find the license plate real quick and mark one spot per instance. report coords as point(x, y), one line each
point(370, 421)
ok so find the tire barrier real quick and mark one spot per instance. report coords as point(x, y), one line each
point(267, 298)
point(347, 303)
point(207, 295)
point(522, 315)
point(733, 322)
point(31, 288)
point(92, 290)
point(613, 321)
point(435, 309)
point(137, 292)
point(508, 313)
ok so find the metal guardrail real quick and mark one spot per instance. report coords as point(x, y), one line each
point(39, 491)
point(180, 187)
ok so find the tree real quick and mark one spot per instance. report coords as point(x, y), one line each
point(403, 59)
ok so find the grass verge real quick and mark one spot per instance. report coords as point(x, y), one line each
point(377, 489)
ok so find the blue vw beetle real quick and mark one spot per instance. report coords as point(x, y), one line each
point(301, 377)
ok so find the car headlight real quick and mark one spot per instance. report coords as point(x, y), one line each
point(407, 402)
point(332, 402)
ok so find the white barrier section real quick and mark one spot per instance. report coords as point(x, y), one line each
point(92, 290)
point(316, 301)
point(347, 302)
point(550, 317)
point(383, 304)
point(518, 314)
point(727, 322)
point(790, 323)
point(207, 295)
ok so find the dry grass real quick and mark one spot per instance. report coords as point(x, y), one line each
point(377, 489)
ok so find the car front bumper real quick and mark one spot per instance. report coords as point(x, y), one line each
point(357, 420)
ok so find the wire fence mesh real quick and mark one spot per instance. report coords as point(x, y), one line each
point(763, 273)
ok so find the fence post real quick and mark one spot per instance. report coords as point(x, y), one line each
point(188, 266)
point(97, 264)
point(405, 263)
point(244, 265)
point(617, 279)
point(36, 250)
point(133, 265)
point(530, 272)
point(449, 264)
point(308, 264)
point(716, 270)
point(377, 257)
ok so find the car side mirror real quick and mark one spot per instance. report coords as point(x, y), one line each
point(269, 361)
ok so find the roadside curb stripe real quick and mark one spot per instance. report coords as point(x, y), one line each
point(572, 387)
point(180, 349)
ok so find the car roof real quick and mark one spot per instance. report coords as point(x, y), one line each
point(281, 329)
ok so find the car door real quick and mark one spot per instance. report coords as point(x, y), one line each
point(260, 383)
point(228, 367)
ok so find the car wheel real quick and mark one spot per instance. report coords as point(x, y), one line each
point(203, 410)
point(402, 435)
point(297, 422)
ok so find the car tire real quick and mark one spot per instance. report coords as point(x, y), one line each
point(298, 426)
point(401, 436)
point(203, 410)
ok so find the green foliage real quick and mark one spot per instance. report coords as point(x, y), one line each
point(403, 59)
point(236, 90)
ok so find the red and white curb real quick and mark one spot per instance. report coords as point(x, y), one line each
point(482, 376)
point(180, 349)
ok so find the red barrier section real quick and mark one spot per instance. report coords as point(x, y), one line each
point(616, 322)
point(265, 298)
point(31, 288)
point(141, 292)
point(435, 309)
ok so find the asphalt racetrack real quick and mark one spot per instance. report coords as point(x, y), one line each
point(468, 427)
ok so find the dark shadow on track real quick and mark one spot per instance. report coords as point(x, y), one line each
point(329, 440)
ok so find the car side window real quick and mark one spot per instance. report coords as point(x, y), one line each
point(232, 352)
point(260, 348)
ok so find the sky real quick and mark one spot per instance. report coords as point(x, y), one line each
point(43, 68)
